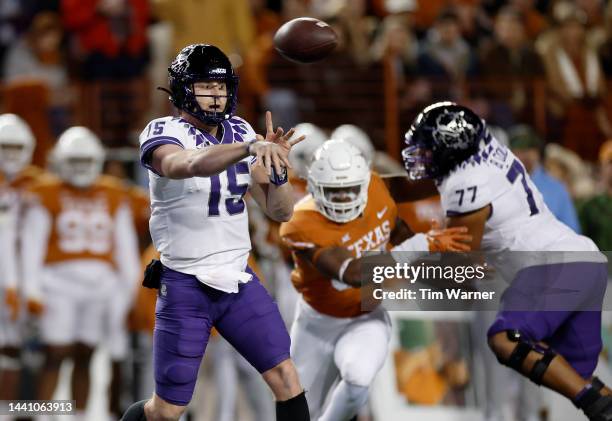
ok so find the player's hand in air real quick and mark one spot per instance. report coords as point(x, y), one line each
point(448, 239)
point(273, 150)
point(11, 299)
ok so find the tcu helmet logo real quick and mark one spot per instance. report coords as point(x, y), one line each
point(453, 130)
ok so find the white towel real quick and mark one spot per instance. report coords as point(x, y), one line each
point(226, 280)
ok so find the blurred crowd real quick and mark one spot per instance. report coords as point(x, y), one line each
point(536, 70)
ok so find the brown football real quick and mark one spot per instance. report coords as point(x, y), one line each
point(305, 40)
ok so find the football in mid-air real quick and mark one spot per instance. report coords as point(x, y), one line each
point(305, 40)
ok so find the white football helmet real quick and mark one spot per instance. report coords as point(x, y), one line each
point(16, 144)
point(300, 156)
point(338, 179)
point(78, 156)
point(358, 138)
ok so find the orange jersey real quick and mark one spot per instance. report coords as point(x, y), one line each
point(11, 190)
point(25, 177)
point(142, 315)
point(310, 229)
point(300, 187)
point(82, 220)
point(141, 209)
point(139, 204)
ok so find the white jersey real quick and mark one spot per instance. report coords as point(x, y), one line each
point(200, 225)
point(9, 212)
point(520, 220)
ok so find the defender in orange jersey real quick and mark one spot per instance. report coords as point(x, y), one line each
point(348, 213)
point(16, 173)
point(80, 247)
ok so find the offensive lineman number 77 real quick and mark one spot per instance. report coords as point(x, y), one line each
point(461, 193)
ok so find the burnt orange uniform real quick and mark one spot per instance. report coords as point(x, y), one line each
point(25, 177)
point(81, 219)
point(140, 206)
point(310, 229)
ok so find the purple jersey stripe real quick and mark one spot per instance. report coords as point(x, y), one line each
point(147, 148)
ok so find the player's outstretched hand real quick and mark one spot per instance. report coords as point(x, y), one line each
point(448, 239)
point(273, 150)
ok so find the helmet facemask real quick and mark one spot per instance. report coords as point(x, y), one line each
point(80, 171)
point(418, 160)
point(16, 144)
point(78, 157)
point(338, 180)
point(199, 63)
point(14, 157)
point(342, 204)
point(211, 118)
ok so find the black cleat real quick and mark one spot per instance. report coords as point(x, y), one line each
point(135, 412)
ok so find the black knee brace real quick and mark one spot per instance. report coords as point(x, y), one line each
point(596, 407)
point(522, 349)
point(135, 412)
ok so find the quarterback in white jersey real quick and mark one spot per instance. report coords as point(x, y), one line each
point(201, 164)
point(185, 211)
point(485, 187)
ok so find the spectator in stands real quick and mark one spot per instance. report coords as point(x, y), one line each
point(595, 213)
point(535, 23)
point(528, 147)
point(357, 28)
point(576, 83)
point(508, 66)
point(445, 56)
point(37, 57)
point(227, 24)
point(14, 19)
point(605, 49)
point(109, 36)
point(396, 41)
point(565, 165)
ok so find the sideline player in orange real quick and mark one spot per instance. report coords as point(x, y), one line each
point(16, 148)
point(80, 239)
point(348, 212)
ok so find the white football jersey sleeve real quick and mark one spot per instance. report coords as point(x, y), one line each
point(200, 224)
point(519, 220)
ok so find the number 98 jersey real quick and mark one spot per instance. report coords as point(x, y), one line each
point(519, 220)
point(200, 224)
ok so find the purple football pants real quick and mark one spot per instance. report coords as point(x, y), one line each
point(574, 292)
point(186, 312)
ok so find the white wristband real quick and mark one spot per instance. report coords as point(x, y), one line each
point(343, 268)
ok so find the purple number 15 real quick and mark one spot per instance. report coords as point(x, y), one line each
point(234, 205)
point(515, 170)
